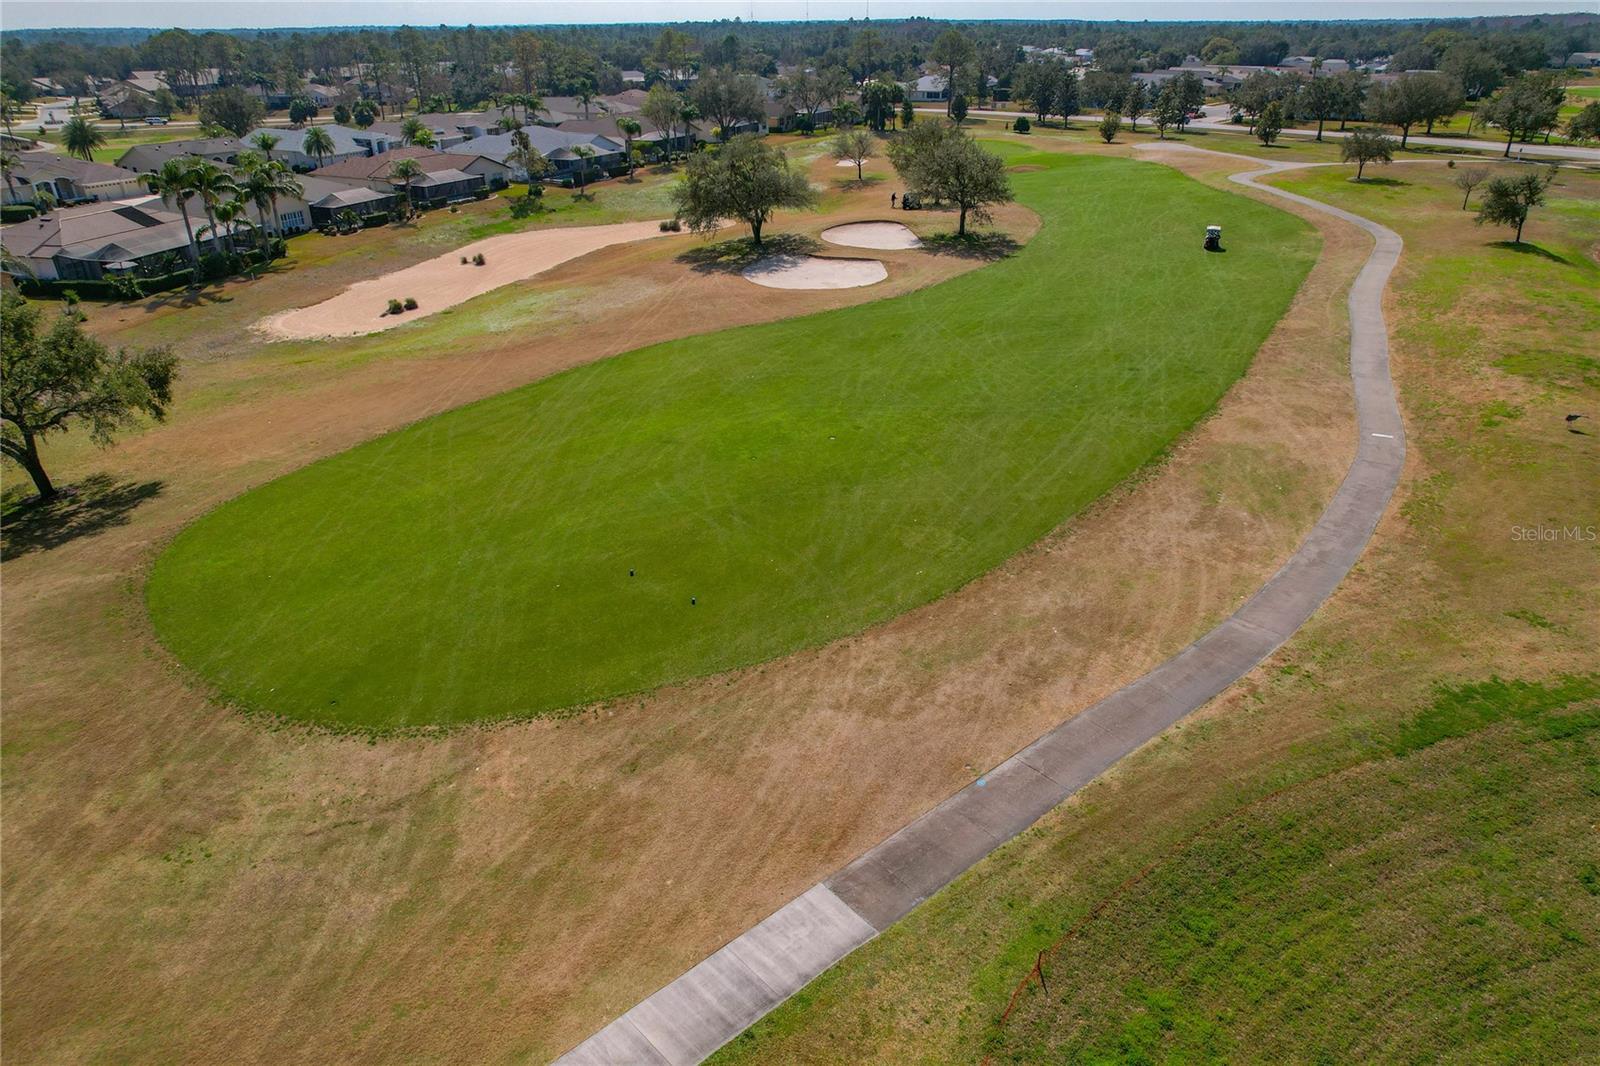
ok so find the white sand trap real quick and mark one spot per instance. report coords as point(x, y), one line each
point(811, 272)
point(851, 163)
point(443, 281)
point(872, 235)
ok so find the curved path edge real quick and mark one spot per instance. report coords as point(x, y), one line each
point(723, 995)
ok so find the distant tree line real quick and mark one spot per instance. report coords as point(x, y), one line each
point(465, 66)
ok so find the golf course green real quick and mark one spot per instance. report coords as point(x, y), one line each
point(717, 501)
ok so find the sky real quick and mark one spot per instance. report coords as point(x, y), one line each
point(231, 14)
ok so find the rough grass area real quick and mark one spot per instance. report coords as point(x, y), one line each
point(718, 501)
point(1435, 900)
point(1428, 878)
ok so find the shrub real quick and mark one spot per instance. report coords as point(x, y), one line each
point(671, 225)
point(17, 212)
point(411, 303)
point(125, 286)
point(454, 210)
point(1022, 125)
point(396, 308)
point(463, 260)
point(478, 260)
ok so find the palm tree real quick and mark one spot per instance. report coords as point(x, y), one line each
point(228, 214)
point(527, 158)
point(689, 115)
point(215, 187)
point(584, 154)
point(411, 129)
point(629, 128)
point(317, 144)
point(586, 96)
point(266, 142)
point(9, 111)
point(8, 160)
point(406, 171)
point(172, 183)
point(264, 181)
point(81, 138)
point(533, 104)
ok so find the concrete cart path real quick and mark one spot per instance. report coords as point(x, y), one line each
point(1216, 120)
point(719, 998)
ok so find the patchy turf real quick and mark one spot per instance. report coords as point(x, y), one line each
point(567, 867)
point(1427, 881)
point(711, 503)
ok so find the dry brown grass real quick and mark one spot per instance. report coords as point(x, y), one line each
point(183, 885)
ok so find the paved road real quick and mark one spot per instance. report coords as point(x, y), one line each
point(720, 997)
point(1216, 120)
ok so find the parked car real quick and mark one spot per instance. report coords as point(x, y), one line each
point(155, 120)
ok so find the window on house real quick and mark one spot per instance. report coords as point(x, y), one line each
point(293, 219)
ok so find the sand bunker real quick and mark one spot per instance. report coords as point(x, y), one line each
point(444, 281)
point(872, 235)
point(851, 163)
point(812, 272)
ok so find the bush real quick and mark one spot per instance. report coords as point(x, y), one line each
point(463, 260)
point(17, 212)
point(478, 260)
point(105, 289)
point(1022, 125)
point(671, 225)
point(523, 206)
point(411, 303)
point(396, 308)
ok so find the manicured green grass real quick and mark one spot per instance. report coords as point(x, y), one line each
point(721, 500)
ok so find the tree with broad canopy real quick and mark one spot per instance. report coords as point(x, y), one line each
point(746, 179)
point(54, 379)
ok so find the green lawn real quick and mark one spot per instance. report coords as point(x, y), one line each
point(768, 488)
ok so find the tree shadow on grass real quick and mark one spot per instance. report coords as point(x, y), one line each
point(731, 257)
point(93, 505)
point(1386, 182)
point(1527, 248)
point(986, 246)
point(187, 298)
point(866, 181)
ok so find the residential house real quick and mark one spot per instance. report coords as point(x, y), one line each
point(555, 145)
point(67, 180)
point(124, 100)
point(149, 158)
point(633, 77)
point(321, 95)
point(650, 136)
point(348, 143)
point(147, 81)
point(140, 236)
point(361, 201)
point(1583, 59)
point(446, 176)
point(929, 88)
point(447, 129)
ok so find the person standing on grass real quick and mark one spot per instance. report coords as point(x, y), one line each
point(891, 200)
